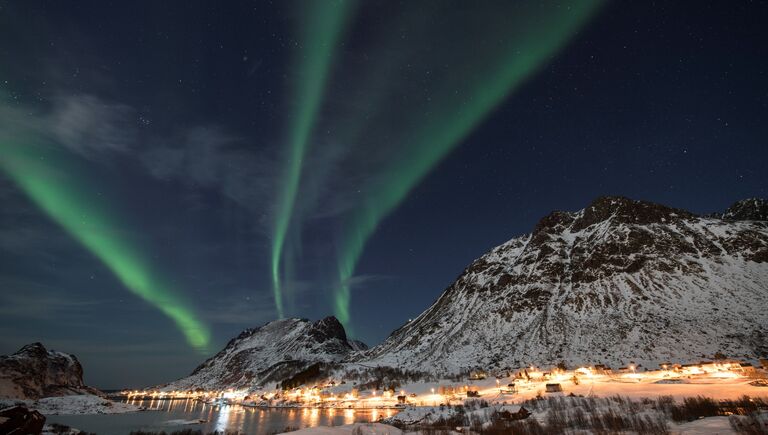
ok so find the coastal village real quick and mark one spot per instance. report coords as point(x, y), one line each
point(720, 379)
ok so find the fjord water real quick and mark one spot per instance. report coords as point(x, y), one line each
point(169, 415)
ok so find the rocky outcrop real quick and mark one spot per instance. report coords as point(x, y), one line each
point(34, 372)
point(753, 209)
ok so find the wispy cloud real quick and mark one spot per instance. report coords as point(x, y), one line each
point(90, 126)
point(361, 282)
point(211, 158)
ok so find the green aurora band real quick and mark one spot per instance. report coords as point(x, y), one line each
point(452, 118)
point(56, 194)
point(321, 29)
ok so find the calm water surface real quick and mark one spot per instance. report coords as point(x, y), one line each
point(162, 414)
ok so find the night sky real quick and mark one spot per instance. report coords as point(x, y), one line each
point(174, 172)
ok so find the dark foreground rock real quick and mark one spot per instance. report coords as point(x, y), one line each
point(18, 420)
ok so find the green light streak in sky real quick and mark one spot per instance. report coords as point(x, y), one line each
point(320, 32)
point(55, 193)
point(452, 116)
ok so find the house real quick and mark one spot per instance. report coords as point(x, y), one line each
point(510, 389)
point(446, 390)
point(478, 374)
point(601, 369)
point(691, 369)
point(554, 388)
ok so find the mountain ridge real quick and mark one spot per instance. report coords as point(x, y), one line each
point(618, 281)
point(610, 258)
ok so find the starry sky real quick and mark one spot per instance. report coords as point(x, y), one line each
point(174, 172)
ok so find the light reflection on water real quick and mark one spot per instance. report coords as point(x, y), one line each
point(256, 421)
point(222, 420)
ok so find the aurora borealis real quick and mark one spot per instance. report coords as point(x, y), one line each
point(52, 189)
point(171, 175)
point(452, 116)
point(457, 104)
point(320, 28)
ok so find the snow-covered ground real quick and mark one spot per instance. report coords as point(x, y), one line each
point(705, 426)
point(79, 404)
point(349, 429)
point(576, 413)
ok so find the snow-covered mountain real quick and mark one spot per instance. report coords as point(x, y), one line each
point(34, 372)
point(618, 281)
point(271, 353)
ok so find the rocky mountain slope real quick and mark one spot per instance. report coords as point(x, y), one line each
point(618, 281)
point(748, 209)
point(271, 353)
point(34, 372)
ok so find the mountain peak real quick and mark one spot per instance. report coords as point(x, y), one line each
point(33, 349)
point(328, 328)
point(619, 209)
point(628, 211)
point(752, 209)
point(272, 352)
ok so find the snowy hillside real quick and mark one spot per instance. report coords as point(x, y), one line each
point(271, 353)
point(618, 281)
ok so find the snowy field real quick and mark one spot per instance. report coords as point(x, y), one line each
point(352, 429)
point(640, 402)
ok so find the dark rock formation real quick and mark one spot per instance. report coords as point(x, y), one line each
point(18, 420)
